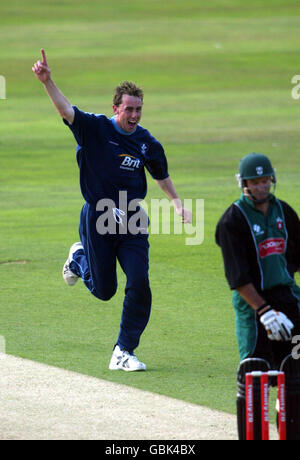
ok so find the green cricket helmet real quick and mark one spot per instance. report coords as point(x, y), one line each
point(254, 166)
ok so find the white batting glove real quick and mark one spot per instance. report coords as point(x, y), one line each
point(277, 325)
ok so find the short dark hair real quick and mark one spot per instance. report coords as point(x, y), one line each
point(129, 88)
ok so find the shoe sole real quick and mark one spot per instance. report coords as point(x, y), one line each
point(126, 370)
point(67, 280)
point(120, 368)
point(75, 278)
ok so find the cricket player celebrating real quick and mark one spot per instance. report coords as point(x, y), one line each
point(260, 240)
point(112, 154)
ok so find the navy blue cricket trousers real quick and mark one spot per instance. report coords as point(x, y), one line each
point(96, 265)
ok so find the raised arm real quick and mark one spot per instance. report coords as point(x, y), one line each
point(61, 103)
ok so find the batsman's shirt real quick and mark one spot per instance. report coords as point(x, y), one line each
point(111, 160)
point(270, 237)
point(262, 250)
point(259, 249)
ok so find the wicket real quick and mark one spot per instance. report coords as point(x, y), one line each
point(264, 395)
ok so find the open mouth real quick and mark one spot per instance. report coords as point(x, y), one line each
point(131, 124)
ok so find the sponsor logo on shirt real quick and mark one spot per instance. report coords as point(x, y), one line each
point(271, 246)
point(129, 162)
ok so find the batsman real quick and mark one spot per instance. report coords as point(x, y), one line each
point(259, 236)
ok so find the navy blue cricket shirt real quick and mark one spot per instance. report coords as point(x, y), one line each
point(111, 160)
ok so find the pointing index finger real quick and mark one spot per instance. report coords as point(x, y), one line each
point(44, 56)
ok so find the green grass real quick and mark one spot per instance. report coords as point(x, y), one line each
point(217, 81)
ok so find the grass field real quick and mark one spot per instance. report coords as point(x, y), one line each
point(217, 81)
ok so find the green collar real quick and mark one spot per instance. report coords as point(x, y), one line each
point(250, 203)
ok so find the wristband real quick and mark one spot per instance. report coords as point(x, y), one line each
point(263, 308)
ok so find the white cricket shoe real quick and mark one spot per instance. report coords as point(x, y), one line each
point(70, 277)
point(122, 360)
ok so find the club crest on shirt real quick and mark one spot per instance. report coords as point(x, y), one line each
point(144, 148)
point(279, 223)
